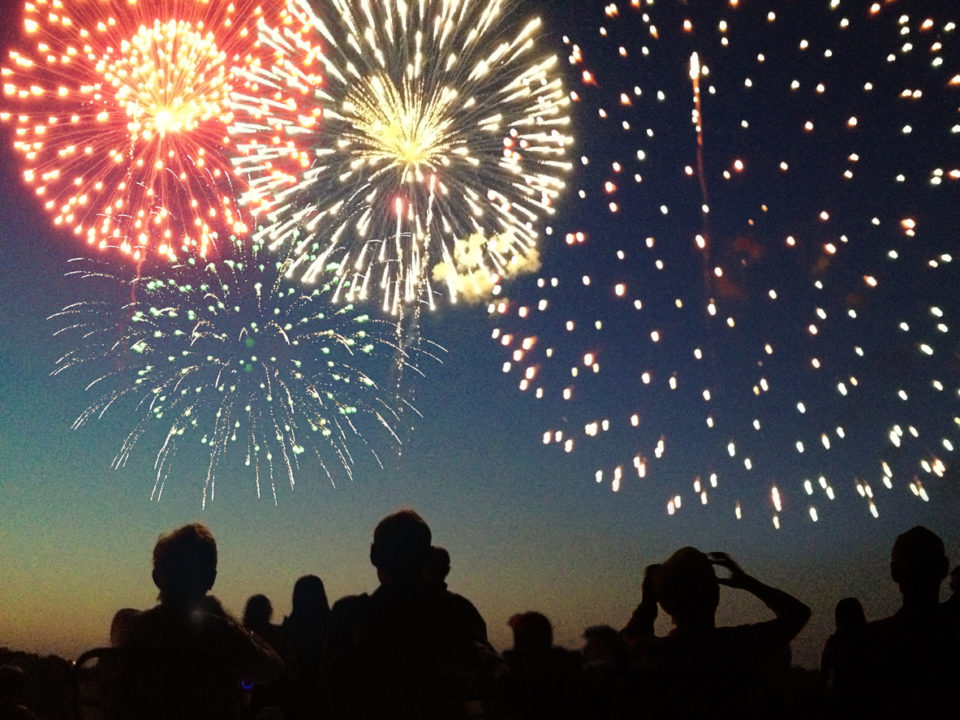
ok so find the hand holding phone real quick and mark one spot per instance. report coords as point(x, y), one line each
point(733, 576)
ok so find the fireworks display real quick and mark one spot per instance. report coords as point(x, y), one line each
point(228, 359)
point(409, 145)
point(757, 306)
point(120, 114)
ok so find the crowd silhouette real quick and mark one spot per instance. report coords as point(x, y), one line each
point(414, 649)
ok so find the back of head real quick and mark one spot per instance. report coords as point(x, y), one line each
point(185, 563)
point(604, 646)
point(687, 587)
point(310, 597)
point(532, 632)
point(437, 568)
point(849, 613)
point(401, 545)
point(918, 560)
point(257, 612)
point(601, 635)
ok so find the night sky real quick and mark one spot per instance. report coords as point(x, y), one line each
point(854, 238)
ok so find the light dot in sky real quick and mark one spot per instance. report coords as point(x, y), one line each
point(764, 256)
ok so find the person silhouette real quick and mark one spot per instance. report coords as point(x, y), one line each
point(257, 614)
point(436, 569)
point(434, 577)
point(265, 699)
point(604, 665)
point(403, 651)
point(186, 657)
point(541, 680)
point(905, 665)
point(303, 634)
point(849, 618)
point(697, 668)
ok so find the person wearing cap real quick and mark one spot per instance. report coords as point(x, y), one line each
point(699, 669)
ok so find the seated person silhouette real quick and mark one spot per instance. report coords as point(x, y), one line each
point(403, 651)
point(187, 658)
point(699, 669)
point(905, 665)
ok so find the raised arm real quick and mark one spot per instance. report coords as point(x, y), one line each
point(791, 613)
point(640, 628)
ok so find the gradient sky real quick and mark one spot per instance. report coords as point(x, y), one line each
point(526, 524)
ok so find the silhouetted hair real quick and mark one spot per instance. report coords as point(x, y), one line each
point(257, 612)
point(310, 597)
point(604, 646)
point(601, 634)
point(532, 631)
point(849, 613)
point(918, 556)
point(686, 585)
point(401, 543)
point(185, 562)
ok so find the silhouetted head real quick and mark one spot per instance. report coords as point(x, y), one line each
point(918, 563)
point(401, 546)
point(435, 572)
point(687, 587)
point(185, 563)
point(604, 646)
point(310, 597)
point(849, 614)
point(532, 632)
point(257, 612)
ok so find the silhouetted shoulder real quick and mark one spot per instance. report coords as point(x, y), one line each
point(186, 658)
point(346, 615)
point(907, 664)
point(464, 618)
point(219, 638)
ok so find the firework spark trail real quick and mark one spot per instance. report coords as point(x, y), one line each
point(384, 137)
point(229, 356)
point(120, 114)
point(698, 124)
point(819, 358)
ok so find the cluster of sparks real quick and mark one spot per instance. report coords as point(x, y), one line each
point(759, 295)
point(409, 140)
point(407, 145)
point(760, 301)
point(120, 113)
point(229, 359)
